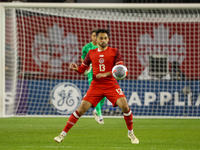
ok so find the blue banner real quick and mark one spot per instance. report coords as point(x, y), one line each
point(145, 98)
point(163, 98)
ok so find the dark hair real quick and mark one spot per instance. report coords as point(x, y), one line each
point(93, 30)
point(102, 31)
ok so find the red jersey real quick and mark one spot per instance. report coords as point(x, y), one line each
point(102, 61)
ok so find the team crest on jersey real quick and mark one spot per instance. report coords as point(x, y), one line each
point(101, 60)
point(66, 97)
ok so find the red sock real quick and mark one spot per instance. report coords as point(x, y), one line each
point(128, 117)
point(71, 121)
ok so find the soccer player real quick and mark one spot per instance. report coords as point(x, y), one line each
point(90, 46)
point(103, 59)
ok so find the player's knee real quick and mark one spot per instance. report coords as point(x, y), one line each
point(125, 108)
point(122, 103)
point(81, 110)
point(83, 107)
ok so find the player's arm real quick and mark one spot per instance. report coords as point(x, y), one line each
point(118, 58)
point(83, 66)
point(106, 74)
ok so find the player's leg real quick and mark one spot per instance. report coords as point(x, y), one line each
point(96, 117)
point(128, 117)
point(91, 98)
point(102, 101)
point(99, 106)
point(90, 78)
point(98, 112)
point(85, 105)
point(117, 98)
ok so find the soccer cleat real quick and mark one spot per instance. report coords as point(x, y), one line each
point(96, 117)
point(101, 121)
point(133, 138)
point(59, 138)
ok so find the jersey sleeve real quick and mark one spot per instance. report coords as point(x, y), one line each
point(85, 64)
point(118, 58)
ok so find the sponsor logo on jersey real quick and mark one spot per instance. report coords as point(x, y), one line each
point(66, 97)
point(101, 55)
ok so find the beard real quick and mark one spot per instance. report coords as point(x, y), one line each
point(103, 45)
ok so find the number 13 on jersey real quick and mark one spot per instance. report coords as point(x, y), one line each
point(102, 67)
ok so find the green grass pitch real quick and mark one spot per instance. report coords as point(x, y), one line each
point(154, 134)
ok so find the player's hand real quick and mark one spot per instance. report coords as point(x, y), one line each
point(73, 66)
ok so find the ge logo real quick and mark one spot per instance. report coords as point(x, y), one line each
point(66, 97)
point(101, 60)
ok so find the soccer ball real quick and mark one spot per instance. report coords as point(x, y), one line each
point(119, 72)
